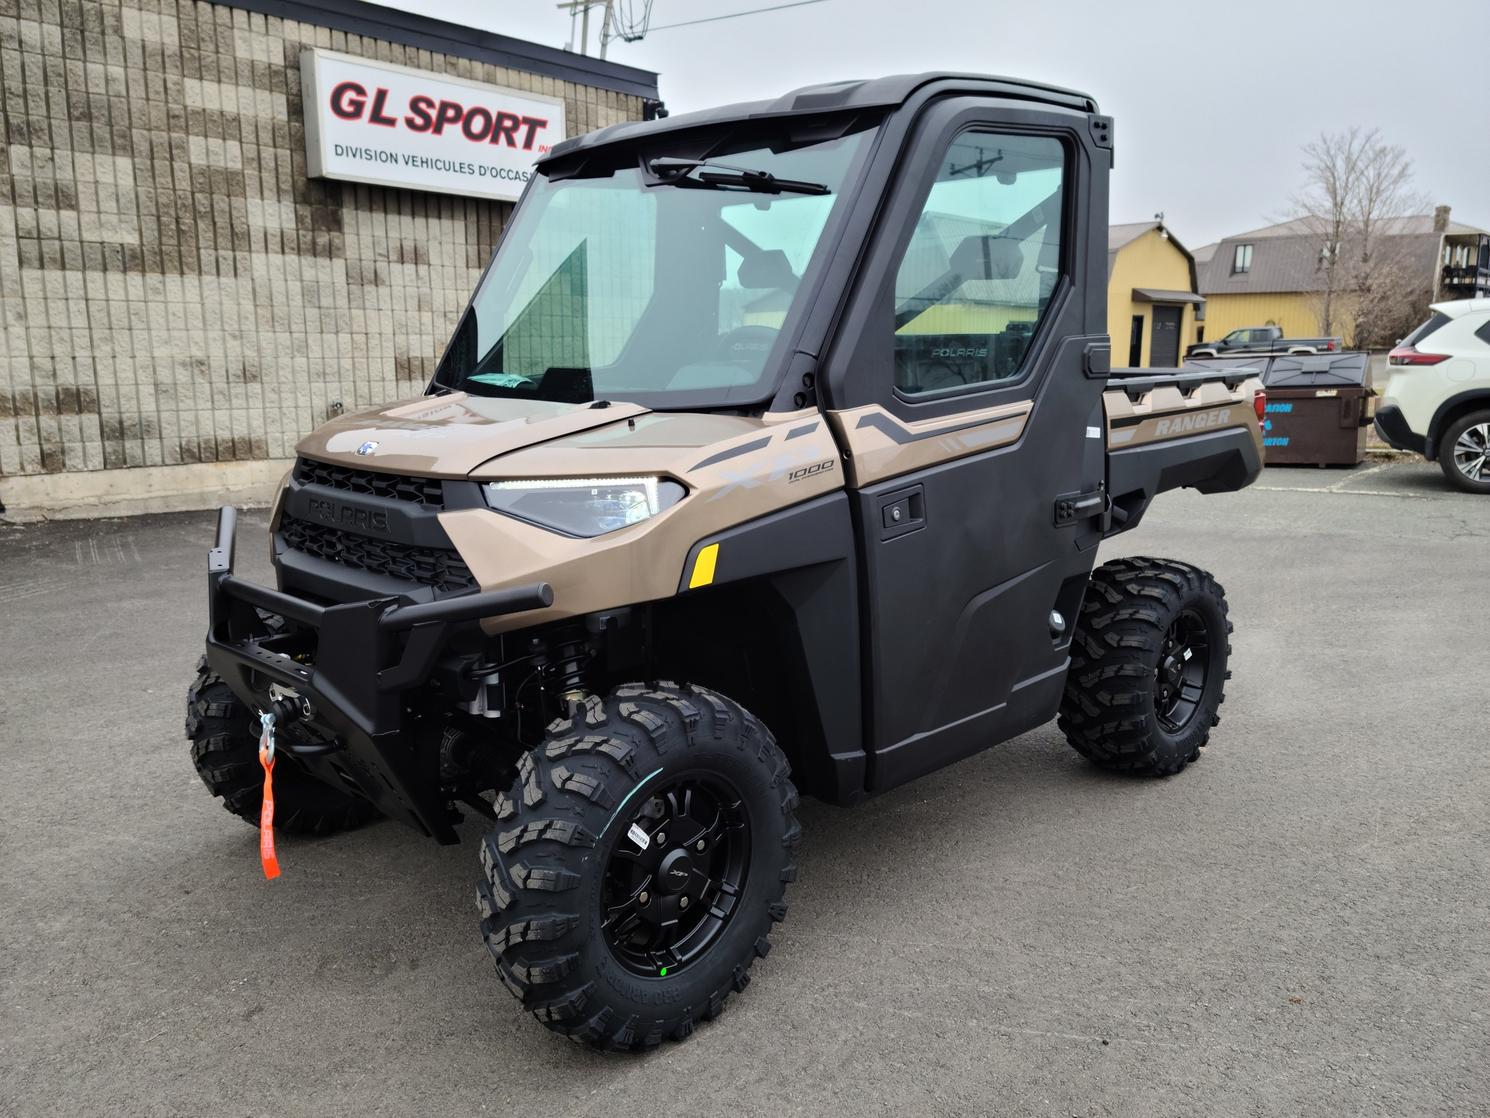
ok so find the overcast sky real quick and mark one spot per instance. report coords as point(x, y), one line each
point(1212, 100)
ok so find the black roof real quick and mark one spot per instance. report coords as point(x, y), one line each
point(830, 98)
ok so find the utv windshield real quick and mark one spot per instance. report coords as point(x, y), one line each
point(665, 281)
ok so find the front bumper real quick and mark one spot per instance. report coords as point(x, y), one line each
point(1392, 426)
point(366, 654)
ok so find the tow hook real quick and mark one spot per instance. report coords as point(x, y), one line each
point(286, 707)
point(284, 710)
point(288, 704)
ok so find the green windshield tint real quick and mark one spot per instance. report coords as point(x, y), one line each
point(625, 287)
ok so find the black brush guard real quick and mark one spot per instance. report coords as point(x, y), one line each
point(366, 654)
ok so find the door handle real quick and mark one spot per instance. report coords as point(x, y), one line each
point(902, 511)
point(1076, 507)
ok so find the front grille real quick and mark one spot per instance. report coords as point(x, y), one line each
point(438, 567)
point(426, 491)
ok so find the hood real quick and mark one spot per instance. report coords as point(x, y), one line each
point(674, 443)
point(449, 436)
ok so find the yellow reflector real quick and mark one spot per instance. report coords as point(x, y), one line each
point(703, 567)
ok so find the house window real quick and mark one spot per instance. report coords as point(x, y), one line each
point(1242, 261)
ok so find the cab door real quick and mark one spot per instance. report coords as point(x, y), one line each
point(966, 393)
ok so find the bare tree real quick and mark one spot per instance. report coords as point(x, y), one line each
point(1358, 188)
point(1324, 208)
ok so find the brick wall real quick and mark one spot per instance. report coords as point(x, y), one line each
point(173, 288)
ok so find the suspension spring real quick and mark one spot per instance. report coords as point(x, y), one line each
point(564, 675)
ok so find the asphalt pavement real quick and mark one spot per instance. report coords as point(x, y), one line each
point(1297, 925)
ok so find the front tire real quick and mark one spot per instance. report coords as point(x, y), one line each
point(1148, 666)
point(225, 750)
point(638, 864)
point(1464, 453)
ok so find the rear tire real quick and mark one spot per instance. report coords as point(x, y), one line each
point(1462, 453)
point(587, 925)
point(1148, 666)
point(225, 751)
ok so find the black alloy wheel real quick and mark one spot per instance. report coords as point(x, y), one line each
point(675, 874)
point(1184, 665)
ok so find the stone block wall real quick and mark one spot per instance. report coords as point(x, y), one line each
point(174, 290)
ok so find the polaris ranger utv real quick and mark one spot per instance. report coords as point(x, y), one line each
point(773, 451)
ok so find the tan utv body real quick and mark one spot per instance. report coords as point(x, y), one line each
point(774, 450)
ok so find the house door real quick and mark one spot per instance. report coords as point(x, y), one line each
point(1164, 348)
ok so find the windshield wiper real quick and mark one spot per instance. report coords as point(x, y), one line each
point(675, 171)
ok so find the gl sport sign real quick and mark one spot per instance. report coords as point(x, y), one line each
point(394, 126)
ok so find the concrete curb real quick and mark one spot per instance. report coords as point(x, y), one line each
point(140, 490)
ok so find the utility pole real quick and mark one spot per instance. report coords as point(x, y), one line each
point(582, 9)
point(630, 29)
point(605, 27)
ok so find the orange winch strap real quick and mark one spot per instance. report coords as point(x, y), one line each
point(266, 816)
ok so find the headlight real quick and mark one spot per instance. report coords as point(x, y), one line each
point(587, 506)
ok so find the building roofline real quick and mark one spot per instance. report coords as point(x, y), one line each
point(1295, 227)
point(1143, 227)
point(357, 17)
point(1136, 228)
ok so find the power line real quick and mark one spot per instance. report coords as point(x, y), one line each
point(627, 25)
point(734, 15)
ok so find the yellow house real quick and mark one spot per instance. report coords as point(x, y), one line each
point(1269, 277)
point(1153, 300)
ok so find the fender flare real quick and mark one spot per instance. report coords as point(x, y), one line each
point(807, 556)
point(1440, 418)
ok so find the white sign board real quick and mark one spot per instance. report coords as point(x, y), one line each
point(393, 126)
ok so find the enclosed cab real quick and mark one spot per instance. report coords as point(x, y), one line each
point(772, 451)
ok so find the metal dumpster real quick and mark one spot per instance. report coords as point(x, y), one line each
point(1318, 410)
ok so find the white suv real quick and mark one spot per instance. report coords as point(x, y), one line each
point(1437, 401)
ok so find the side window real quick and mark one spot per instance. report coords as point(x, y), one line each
point(1482, 331)
point(978, 274)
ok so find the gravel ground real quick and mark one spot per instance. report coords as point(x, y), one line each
point(1296, 925)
